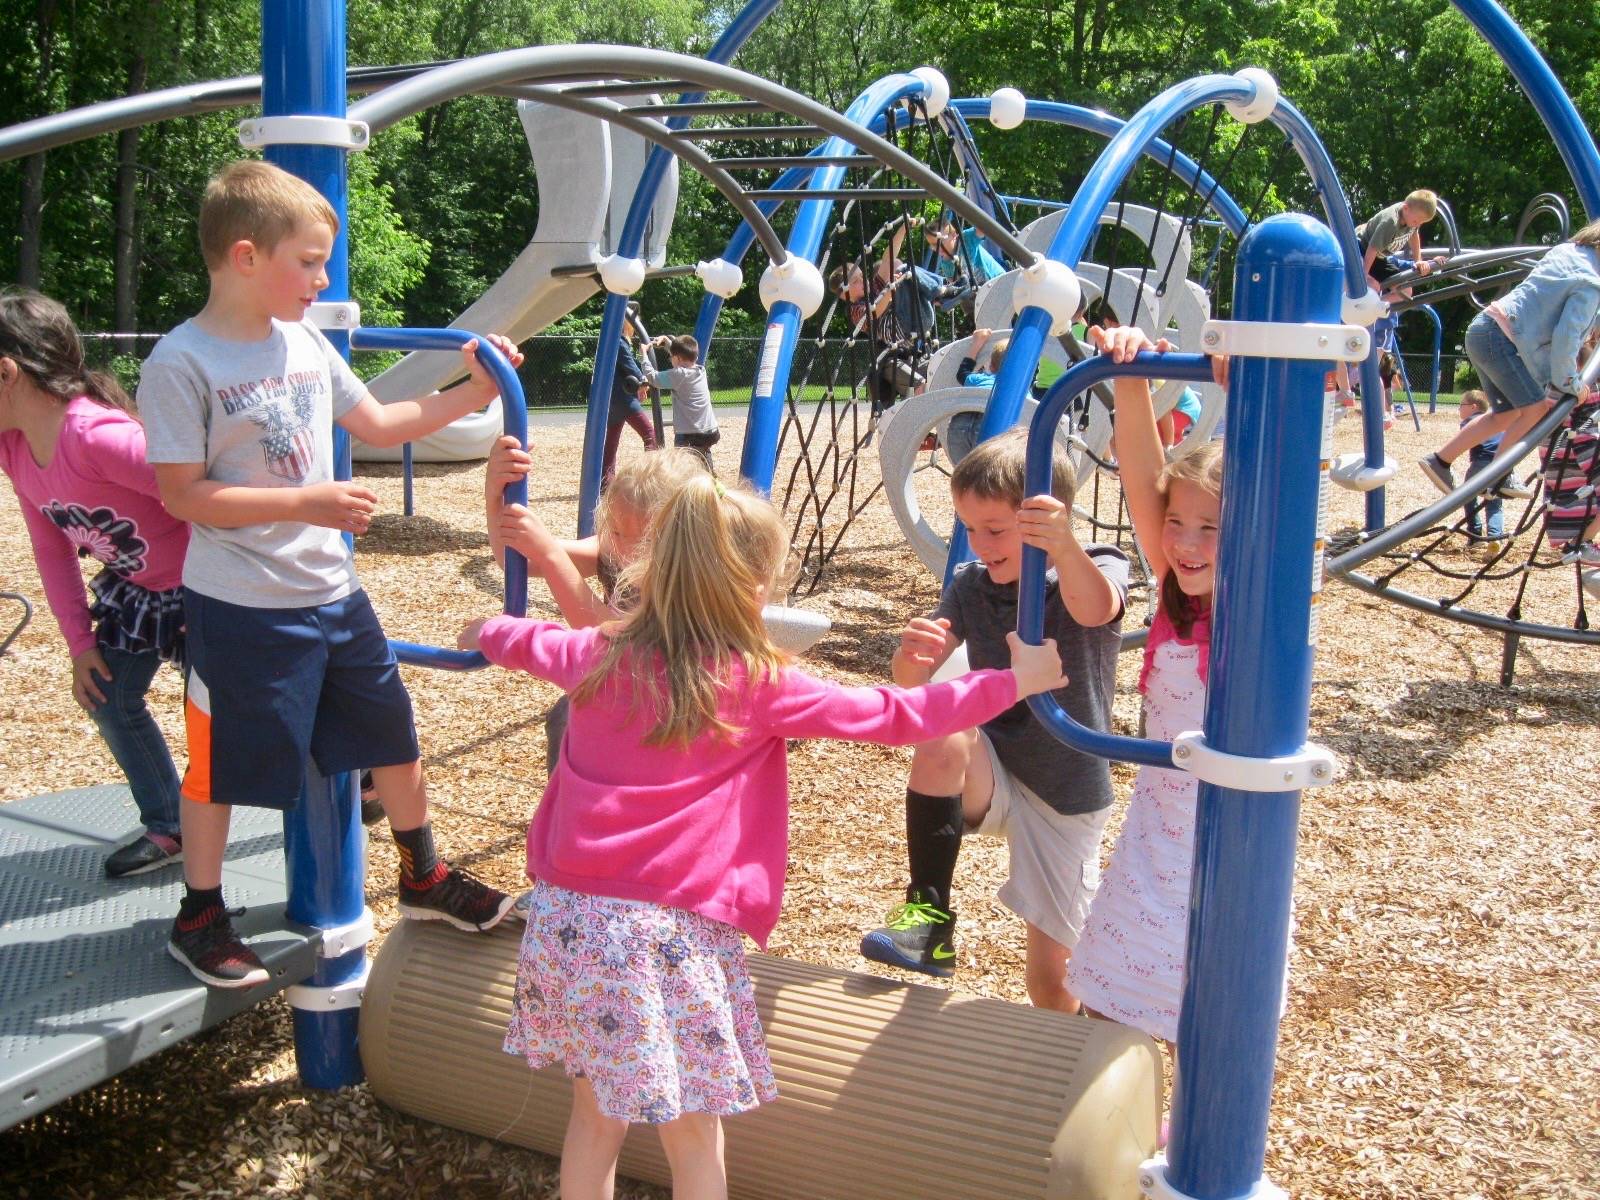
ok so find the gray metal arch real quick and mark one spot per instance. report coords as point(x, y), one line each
point(588, 62)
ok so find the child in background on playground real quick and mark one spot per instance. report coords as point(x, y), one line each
point(962, 432)
point(694, 421)
point(628, 390)
point(285, 654)
point(1525, 349)
point(1008, 777)
point(1473, 405)
point(1174, 425)
point(1129, 964)
point(640, 487)
point(75, 455)
point(662, 835)
point(1394, 229)
point(1571, 469)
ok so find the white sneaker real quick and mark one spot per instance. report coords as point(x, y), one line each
point(1588, 554)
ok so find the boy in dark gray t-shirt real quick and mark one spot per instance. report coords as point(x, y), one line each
point(1010, 777)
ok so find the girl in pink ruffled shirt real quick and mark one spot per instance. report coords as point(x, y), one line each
point(75, 456)
point(663, 832)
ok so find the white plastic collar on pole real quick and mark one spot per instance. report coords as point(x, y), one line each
point(1363, 310)
point(1007, 108)
point(341, 939)
point(1260, 106)
point(1311, 766)
point(721, 277)
point(335, 314)
point(795, 280)
point(304, 131)
point(309, 997)
point(1279, 339)
point(1153, 1183)
point(621, 275)
point(1351, 471)
point(935, 90)
point(1051, 286)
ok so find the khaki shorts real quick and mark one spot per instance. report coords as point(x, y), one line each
point(1055, 857)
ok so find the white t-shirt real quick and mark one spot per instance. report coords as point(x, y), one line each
point(258, 414)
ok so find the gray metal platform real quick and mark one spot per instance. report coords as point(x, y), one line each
point(87, 987)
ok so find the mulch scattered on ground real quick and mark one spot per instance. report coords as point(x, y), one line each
point(1440, 1031)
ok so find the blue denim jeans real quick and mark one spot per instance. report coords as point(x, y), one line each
point(1500, 368)
point(135, 740)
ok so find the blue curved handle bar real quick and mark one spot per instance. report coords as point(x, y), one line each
point(1194, 368)
point(515, 407)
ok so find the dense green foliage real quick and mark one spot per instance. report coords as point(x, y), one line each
point(1403, 92)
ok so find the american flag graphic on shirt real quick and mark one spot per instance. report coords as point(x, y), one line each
point(290, 446)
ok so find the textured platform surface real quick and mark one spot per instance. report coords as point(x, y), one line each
point(87, 987)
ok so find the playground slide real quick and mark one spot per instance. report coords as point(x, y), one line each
point(586, 172)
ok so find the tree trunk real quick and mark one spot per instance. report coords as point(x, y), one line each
point(125, 256)
point(30, 218)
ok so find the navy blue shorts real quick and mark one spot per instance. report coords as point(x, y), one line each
point(268, 686)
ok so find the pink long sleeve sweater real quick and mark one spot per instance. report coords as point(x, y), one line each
point(96, 496)
point(703, 828)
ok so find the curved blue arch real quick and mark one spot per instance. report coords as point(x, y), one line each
point(760, 455)
point(628, 243)
point(1093, 121)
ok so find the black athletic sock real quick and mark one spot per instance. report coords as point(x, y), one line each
point(197, 901)
point(933, 841)
point(419, 862)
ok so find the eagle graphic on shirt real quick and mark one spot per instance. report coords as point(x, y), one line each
point(290, 444)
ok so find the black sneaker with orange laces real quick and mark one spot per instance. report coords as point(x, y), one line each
point(213, 952)
point(456, 896)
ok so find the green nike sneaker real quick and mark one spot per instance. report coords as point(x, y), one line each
point(918, 935)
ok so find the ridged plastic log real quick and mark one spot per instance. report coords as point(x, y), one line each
point(888, 1091)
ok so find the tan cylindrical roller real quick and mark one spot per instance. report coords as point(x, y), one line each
point(888, 1091)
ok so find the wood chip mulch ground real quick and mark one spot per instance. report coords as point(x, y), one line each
point(1441, 1031)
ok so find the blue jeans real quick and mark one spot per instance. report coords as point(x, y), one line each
point(1492, 510)
point(1500, 368)
point(135, 740)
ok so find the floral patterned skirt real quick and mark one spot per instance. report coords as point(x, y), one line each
point(652, 1005)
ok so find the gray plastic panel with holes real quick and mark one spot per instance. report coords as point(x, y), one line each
point(86, 985)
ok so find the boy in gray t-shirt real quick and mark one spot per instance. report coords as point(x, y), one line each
point(694, 421)
point(1010, 777)
point(286, 657)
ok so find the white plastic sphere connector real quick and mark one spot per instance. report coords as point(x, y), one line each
point(935, 90)
point(1051, 286)
point(721, 277)
point(1007, 108)
point(1362, 310)
point(795, 280)
point(620, 274)
point(1260, 106)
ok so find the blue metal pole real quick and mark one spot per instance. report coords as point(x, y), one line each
point(1257, 705)
point(303, 73)
point(1549, 99)
point(1438, 346)
point(629, 242)
point(760, 456)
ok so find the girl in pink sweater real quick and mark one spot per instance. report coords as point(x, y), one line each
point(75, 455)
point(662, 835)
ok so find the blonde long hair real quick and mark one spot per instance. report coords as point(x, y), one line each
point(714, 555)
point(1203, 469)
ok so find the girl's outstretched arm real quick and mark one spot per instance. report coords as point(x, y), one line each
point(1140, 456)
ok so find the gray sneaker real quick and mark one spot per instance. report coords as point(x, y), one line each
point(1438, 473)
point(147, 852)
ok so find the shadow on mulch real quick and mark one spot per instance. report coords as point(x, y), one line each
point(1434, 720)
point(416, 536)
point(122, 1132)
